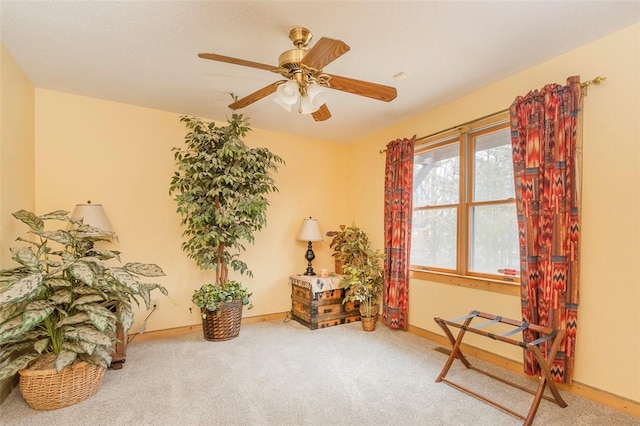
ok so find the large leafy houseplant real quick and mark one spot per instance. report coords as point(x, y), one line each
point(349, 245)
point(362, 273)
point(64, 298)
point(365, 282)
point(220, 188)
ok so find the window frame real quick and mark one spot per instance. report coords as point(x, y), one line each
point(439, 143)
point(465, 136)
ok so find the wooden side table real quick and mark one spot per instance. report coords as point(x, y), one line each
point(317, 302)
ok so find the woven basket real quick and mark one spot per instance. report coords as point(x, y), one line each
point(49, 390)
point(375, 309)
point(369, 324)
point(224, 322)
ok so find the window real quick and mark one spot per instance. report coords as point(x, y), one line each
point(464, 218)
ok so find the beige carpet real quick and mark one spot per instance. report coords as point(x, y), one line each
point(279, 373)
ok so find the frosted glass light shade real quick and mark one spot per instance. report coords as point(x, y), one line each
point(287, 93)
point(309, 231)
point(283, 105)
point(305, 106)
point(317, 96)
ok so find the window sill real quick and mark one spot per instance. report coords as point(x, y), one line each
point(512, 289)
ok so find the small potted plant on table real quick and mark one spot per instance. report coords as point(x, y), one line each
point(221, 186)
point(60, 307)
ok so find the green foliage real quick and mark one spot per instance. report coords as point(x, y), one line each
point(220, 188)
point(209, 296)
point(350, 245)
point(363, 275)
point(63, 297)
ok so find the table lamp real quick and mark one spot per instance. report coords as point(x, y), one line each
point(93, 215)
point(309, 231)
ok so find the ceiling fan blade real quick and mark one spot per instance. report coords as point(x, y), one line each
point(236, 61)
point(256, 96)
point(325, 51)
point(322, 114)
point(363, 88)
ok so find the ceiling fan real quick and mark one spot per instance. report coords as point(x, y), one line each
point(305, 80)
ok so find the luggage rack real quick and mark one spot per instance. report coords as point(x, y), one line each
point(545, 333)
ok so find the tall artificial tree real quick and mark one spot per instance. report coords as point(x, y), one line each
point(220, 188)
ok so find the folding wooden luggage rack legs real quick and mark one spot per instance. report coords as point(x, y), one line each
point(545, 334)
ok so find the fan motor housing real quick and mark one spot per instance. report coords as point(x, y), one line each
point(291, 58)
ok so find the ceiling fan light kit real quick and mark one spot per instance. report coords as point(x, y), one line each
point(306, 83)
point(308, 100)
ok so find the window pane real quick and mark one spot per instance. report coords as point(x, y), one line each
point(493, 167)
point(433, 238)
point(494, 240)
point(436, 176)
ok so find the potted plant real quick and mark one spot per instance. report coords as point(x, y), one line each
point(348, 246)
point(223, 304)
point(365, 283)
point(220, 188)
point(60, 307)
point(363, 276)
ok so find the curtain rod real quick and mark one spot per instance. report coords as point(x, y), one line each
point(597, 80)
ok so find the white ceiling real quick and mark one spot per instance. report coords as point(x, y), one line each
point(145, 52)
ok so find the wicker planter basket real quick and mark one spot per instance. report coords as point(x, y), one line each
point(369, 324)
point(224, 322)
point(375, 309)
point(49, 390)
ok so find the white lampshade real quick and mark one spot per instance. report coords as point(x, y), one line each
point(317, 96)
point(313, 100)
point(283, 105)
point(93, 215)
point(288, 93)
point(305, 106)
point(309, 231)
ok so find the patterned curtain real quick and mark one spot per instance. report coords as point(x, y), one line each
point(398, 187)
point(544, 136)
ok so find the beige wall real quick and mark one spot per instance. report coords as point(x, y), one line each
point(16, 159)
point(16, 151)
point(608, 346)
point(120, 156)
